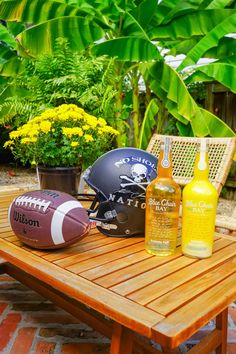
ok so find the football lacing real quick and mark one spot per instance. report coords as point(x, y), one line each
point(41, 204)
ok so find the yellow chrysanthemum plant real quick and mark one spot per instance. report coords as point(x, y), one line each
point(64, 136)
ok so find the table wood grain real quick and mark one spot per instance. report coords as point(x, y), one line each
point(163, 298)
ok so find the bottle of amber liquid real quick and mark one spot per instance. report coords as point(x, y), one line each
point(199, 209)
point(162, 207)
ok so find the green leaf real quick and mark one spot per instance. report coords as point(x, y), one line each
point(180, 46)
point(184, 130)
point(12, 67)
point(194, 24)
point(7, 37)
point(133, 28)
point(144, 12)
point(148, 123)
point(6, 53)
point(168, 9)
point(36, 11)
point(216, 126)
point(221, 72)
point(229, 60)
point(210, 40)
point(168, 85)
point(15, 27)
point(225, 48)
point(41, 38)
point(216, 4)
point(128, 49)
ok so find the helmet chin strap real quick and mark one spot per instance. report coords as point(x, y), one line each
point(103, 223)
point(92, 211)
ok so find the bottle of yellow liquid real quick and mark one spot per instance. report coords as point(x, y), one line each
point(162, 207)
point(199, 209)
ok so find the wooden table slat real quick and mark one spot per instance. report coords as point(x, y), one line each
point(116, 265)
point(188, 291)
point(157, 289)
point(145, 276)
point(97, 260)
point(143, 279)
point(85, 253)
point(185, 321)
point(58, 256)
point(130, 314)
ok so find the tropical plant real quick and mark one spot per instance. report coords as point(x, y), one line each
point(60, 77)
point(65, 136)
point(140, 34)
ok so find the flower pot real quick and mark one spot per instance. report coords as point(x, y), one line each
point(64, 179)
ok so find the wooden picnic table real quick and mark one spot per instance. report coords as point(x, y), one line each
point(113, 285)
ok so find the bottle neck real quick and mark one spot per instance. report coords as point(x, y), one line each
point(165, 159)
point(201, 167)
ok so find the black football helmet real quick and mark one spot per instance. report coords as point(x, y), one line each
point(120, 178)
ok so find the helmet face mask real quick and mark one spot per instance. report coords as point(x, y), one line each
point(120, 178)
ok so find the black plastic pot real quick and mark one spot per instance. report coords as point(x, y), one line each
point(64, 179)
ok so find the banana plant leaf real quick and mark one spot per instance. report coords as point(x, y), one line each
point(130, 49)
point(37, 11)
point(217, 127)
point(12, 67)
point(132, 28)
point(167, 84)
point(184, 130)
point(15, 27)
point(226, 47)
point(144, 12)
point(165, 80)
point(229, 60)
point(193, 24)
point(219, 3)
point(148, 123)
point(221, 72)
point(6, 37)
point(210, 40)
point(6, 53)
point(168, 9)
point(41, 38)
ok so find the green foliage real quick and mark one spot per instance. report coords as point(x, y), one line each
point(61, 77)
point(148, 124)
point(132, 34)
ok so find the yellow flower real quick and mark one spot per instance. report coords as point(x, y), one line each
point(28, 140)
point(108, 129)
point(15, 134)
point(88, 138)
point(8, 143)
point(40, 138)
point(72, 131)
point(45, 126)
point(74, 143)
point(102, 122)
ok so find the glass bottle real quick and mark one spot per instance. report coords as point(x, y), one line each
point(199, 209)
point(162, 207)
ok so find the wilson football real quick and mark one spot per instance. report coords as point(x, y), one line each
point(47, 219)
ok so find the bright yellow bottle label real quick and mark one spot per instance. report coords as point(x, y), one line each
point(198, 227)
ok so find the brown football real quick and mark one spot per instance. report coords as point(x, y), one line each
point(47, 219)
